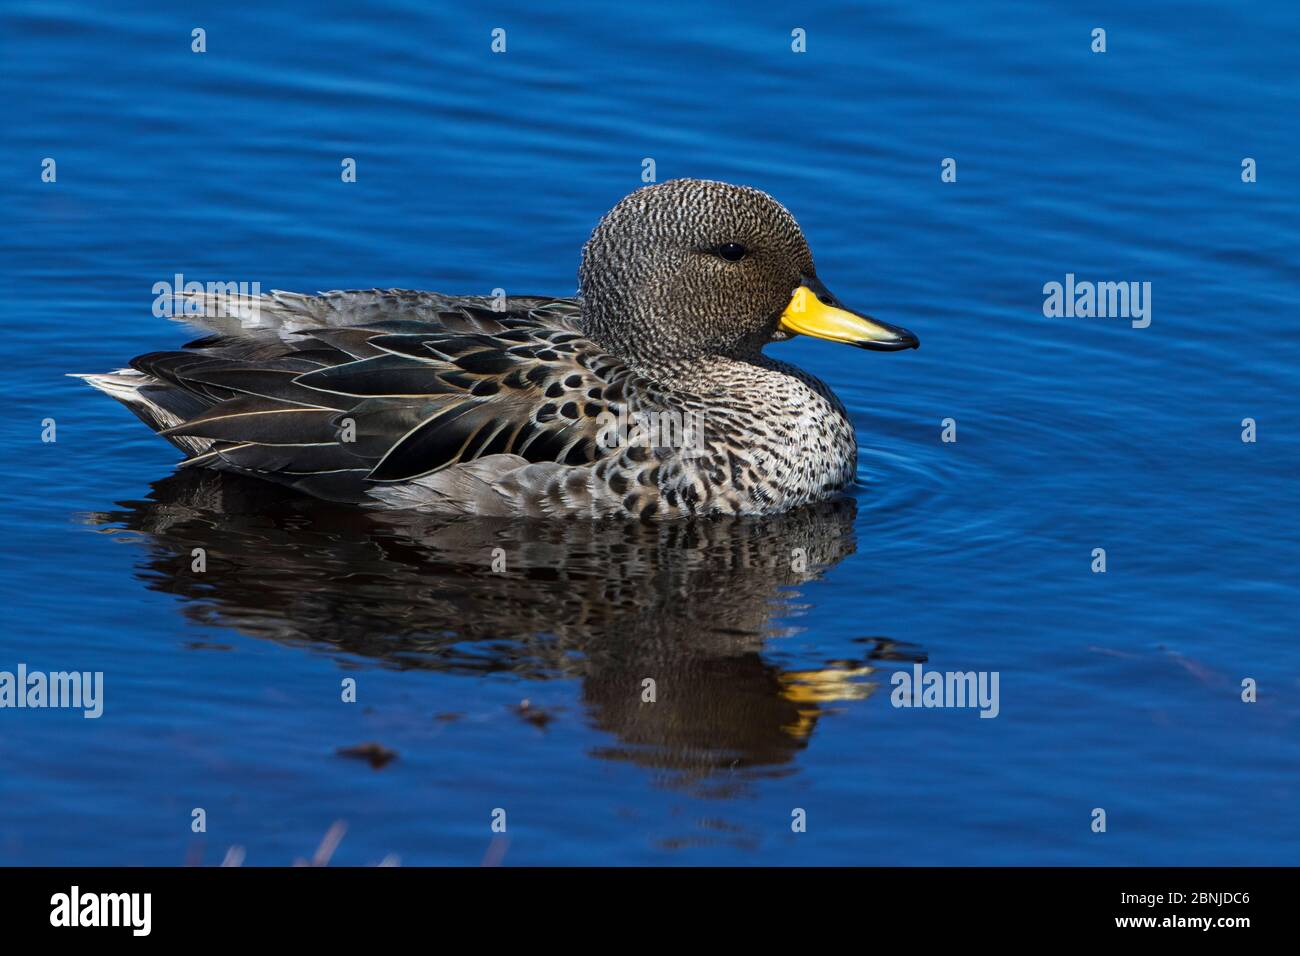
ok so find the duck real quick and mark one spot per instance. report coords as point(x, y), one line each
point(646, 396)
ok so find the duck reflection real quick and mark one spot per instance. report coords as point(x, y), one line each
point(687, 606)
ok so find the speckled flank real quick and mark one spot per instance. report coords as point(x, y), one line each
point(443, 403)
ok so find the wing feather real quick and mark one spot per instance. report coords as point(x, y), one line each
point(345, 391)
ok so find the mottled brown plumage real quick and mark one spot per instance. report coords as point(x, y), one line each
point(647, 396)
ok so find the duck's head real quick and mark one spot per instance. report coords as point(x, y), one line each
point(688, 269)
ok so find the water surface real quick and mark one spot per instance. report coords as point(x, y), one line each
point(479, 171)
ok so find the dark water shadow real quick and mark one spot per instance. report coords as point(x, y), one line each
point(688, 605)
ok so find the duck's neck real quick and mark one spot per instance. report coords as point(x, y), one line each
point(678, 360)
point(715, 375)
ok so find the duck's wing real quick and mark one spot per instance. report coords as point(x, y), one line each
point(284, 314)
point(337, 410)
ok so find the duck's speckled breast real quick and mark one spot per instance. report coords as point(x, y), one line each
point(776, 438)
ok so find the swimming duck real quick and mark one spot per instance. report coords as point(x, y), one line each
point(646, 396)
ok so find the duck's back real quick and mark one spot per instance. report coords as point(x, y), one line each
point(385, 396)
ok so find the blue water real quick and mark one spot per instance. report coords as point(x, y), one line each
point(475, 170)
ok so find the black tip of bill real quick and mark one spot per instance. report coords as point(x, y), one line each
point(902, 339)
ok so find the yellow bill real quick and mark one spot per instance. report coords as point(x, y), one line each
point(814, 311)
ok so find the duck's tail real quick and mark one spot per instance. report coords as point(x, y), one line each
point(155, 403)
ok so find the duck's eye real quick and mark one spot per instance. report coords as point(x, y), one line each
point(731, 251)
